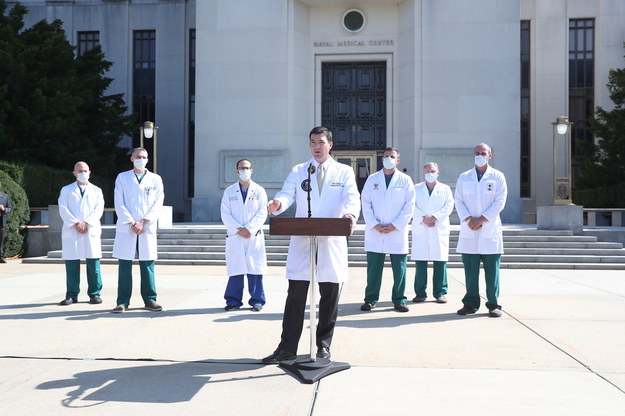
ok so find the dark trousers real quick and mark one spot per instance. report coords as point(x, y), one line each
point(294, 310)
point(1, 239)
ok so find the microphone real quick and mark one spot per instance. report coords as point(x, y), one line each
point(311, 169)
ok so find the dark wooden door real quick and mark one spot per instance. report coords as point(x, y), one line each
point(353, 107)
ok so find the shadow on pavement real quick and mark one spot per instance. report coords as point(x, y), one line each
point(163, 383)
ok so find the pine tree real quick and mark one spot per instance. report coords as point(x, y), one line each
point(606, 166)
point(53, 104)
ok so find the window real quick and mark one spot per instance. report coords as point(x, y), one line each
point(87, 40)
point(144, 77)
point(191, 147)
point(525, 110)
point(581, 80)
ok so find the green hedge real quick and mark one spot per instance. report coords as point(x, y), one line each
point(14, 242)
point(606, 197)
point(43, 184)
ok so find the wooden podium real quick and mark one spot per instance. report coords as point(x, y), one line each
point(311, 369)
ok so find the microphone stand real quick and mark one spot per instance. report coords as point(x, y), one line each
point(311, 170)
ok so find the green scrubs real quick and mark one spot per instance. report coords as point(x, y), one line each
point(439, 280)
point(124, 281)
point(375, 265)
point(72, 277)
point(472, 274)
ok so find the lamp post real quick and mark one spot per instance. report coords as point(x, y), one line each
point(148, 130)
point(562, 184)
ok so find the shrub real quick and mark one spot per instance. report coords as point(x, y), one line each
point(604, 197)
point(43, 184)
point(14, 242)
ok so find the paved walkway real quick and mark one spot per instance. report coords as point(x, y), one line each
point(559, 349)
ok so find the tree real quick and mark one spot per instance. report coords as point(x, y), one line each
point(606, 165)
point(53, 107)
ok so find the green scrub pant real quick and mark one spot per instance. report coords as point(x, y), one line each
point(124, 281)
point(72, 277)
point(375, 265)
point(472, 276)
point(439, 279)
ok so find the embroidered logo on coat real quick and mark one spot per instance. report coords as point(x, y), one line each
point(306, 185)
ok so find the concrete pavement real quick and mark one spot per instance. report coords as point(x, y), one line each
point(559, 349)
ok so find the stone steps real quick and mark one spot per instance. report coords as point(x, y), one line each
point(525, 247)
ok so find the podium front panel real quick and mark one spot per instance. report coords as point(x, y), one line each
point(310, 226)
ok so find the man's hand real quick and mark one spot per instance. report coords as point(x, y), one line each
point(244, 232)
point(137, 227)
point(476, 223)
point(273, 206)
point(353, 224)
point(385, 228)
point(81, 227)
point(1, 208)
point(429, 220)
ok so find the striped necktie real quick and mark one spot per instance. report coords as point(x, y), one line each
point(320, 177)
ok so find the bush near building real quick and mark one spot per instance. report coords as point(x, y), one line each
point(43, 184)
point(14, 241)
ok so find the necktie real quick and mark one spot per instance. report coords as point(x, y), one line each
point(320, 177)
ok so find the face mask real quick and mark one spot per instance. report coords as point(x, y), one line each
point(140, 163)
point(388, 162)
point(481, 161)
point(245, 174)
point(431, 177)
point(82, 177)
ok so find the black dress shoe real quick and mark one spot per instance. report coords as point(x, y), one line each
point(68, 301)
point(278, 356)
point(95, 299)
point(2, 260)
point(323, 352)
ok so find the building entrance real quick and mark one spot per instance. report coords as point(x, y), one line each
point(353, 97)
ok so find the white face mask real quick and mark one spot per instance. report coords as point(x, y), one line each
point(245, 174)
point(140, 163)
point(431, 177)
point(388, 162)
point(82, 177)
point(481, 161)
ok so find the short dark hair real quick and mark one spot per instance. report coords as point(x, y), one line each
point(138, 149)
point(321, 130)
point(392, 149)
point(242, 160)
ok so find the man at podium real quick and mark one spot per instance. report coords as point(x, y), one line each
point(333, 194)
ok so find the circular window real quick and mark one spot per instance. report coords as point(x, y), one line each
point(353, 20)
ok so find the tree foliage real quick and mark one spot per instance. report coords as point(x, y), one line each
point(53, 104)
point(14, 241)
point(606, 166)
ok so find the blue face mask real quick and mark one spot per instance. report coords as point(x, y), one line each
point(388, 162)
point(430, 177)
point(245, 174)
point(82, 177)
point(481, 161)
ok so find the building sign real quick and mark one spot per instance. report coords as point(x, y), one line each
point(352, 43)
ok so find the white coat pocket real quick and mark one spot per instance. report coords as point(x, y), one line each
point(235, 256)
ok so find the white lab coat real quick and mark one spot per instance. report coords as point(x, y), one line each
point(245, 255)
point(392, 205)
point(134, 202)
point(74, 207)
point(431, 243)
point(474, 199)
point(339, 197)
